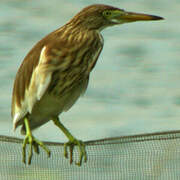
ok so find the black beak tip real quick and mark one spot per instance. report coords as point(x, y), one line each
point(157, 18)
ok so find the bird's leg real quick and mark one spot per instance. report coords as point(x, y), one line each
point(72, 142)
point(33, 142)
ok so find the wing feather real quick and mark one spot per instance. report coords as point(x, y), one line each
point(39, 82)
point(52, 53)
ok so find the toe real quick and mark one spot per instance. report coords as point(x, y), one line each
point(34, 144)
point(81, 148)
point(24, 150)
point(82, 153)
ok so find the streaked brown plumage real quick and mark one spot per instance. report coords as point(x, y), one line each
point(56, 71)
point(68, 68)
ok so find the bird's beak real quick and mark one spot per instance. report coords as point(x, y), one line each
point(126, 17)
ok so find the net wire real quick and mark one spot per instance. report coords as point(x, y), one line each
point(153, 156)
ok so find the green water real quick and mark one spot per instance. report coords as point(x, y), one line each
point(133, 89)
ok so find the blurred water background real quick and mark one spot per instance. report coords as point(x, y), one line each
point(135, 86)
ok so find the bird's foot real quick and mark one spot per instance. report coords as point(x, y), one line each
point(34, 144)
point(81, 147)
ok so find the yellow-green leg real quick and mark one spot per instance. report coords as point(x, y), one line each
point(33, 142)
point(72, 142)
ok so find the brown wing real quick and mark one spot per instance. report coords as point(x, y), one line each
point(23, 76)
point(31, 85)
point(55, 52)
point(25, 73)
point(34, 74)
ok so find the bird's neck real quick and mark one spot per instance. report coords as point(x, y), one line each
point(76, 36)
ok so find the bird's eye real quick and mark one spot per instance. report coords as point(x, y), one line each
point(106, 13)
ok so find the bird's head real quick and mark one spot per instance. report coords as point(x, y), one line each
point(99, 16)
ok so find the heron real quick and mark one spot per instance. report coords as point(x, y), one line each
point(56, 71)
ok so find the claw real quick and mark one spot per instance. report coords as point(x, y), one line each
point(72, 142)
point(24, 151)
point(30, 152)
point(36, 148)
point(82, 151)
point(34, 144)
point(65, 151)
point(71, 148)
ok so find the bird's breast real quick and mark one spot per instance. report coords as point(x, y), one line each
point(76, 67)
